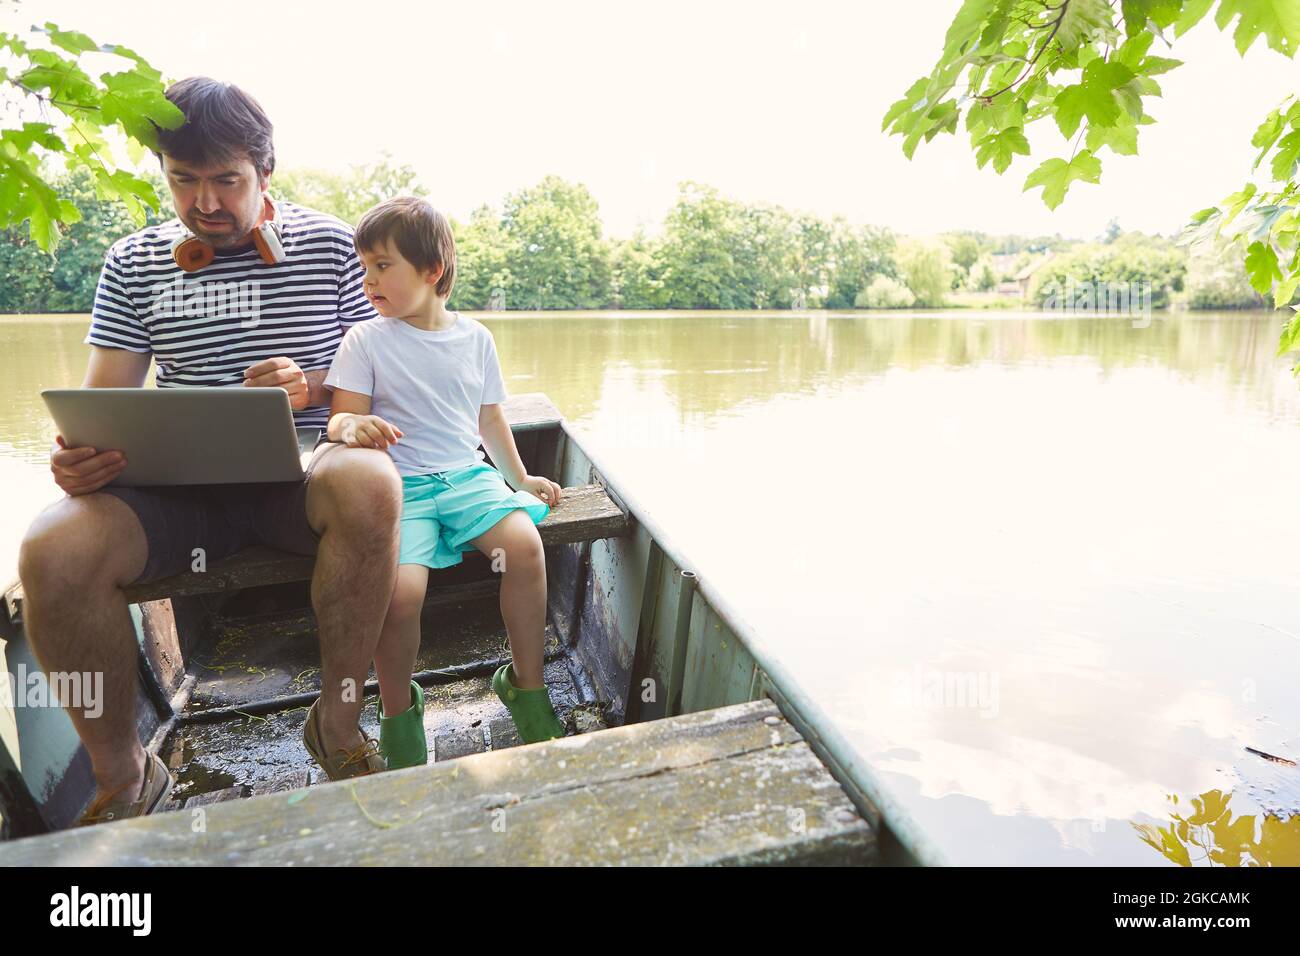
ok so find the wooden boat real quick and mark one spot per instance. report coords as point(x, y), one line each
point(688, 744)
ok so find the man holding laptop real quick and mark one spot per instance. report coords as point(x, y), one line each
point(238, 291)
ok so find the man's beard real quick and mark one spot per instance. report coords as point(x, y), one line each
point(225, 239)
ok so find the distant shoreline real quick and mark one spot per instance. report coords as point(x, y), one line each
point(1007, 307)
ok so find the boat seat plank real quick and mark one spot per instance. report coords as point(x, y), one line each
point(735, 785)
point(584, 513)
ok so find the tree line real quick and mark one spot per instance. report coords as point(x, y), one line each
point(544, 248)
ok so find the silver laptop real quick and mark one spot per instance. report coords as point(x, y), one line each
point(187, 436)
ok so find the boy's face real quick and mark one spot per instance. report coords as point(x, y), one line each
point(394, 286)
point(219, 203)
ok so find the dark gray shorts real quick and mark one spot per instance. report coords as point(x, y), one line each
point(220, 519)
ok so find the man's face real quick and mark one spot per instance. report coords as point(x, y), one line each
point(219, 203)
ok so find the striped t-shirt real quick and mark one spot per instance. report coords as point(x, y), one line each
point(207, 327)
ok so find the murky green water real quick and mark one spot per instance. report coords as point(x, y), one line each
point(1041, 571)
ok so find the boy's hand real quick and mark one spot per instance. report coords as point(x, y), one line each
point(369, 431)
point(543, 488)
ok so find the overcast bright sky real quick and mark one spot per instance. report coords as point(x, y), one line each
point(770, 102)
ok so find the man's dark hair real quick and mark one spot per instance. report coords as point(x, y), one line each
point(222, 122)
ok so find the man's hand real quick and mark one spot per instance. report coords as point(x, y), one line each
point(282, 373)
point(543, 488)
point(80, 471)
point(369, 431)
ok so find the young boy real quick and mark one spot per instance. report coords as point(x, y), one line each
point(425, 385)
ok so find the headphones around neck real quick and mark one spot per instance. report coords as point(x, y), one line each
point(192, 253)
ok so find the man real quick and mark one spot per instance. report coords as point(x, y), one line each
point(241, 318)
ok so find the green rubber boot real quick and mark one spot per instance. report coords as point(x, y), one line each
point(530, 709)
point(401, 738)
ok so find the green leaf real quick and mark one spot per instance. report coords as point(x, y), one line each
point(905, 106)
point(967, 26)
point(1004, 111)
point(1290, 332)
point(943, 119)
point(70, 40)
point(35, 201)
point(1161, 12)
point(137, 103)
point(33, 134)
point(1287, 156)
point(1261, 267)
point(1266, 135)
point(135, 150)
point(1093, 96)
point(15, 45)
point(64, 80)
point(141, 66)
point(1257, 222)
point(1202, 230)
point(1237, 201)
point(1285, 291)
point(1000, 147)
point(1085, 20)
point(1055, 176)
point(1133, 50)
point(1155, 65)
point(1121, 138)
point(1193, 12)
point(1278, 21)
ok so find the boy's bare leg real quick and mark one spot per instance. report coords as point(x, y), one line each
point(354, 502)
point(523, 592)
point(75, 559)
point(399, 642)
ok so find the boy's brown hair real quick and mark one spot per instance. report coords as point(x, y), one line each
point(421, 233)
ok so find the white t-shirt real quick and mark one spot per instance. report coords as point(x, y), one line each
point(429, 384)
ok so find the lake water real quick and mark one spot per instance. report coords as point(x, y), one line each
point(1042, 572)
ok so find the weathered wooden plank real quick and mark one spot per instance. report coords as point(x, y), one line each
point(295, 781)
point(453, 745)
point(504, 733)
point(530, 411)
point(582, 514)
point(734, 785)
point(299, 622)
point(213, 797)
point(162, 646)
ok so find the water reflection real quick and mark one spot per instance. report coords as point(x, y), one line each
point(1207, 834)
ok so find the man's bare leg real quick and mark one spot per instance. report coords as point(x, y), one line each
point(354, 502)
point(75, 559)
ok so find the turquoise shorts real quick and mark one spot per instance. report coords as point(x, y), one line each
point(443, 512)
